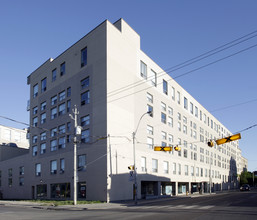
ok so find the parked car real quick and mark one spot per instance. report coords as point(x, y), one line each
point(245, 187)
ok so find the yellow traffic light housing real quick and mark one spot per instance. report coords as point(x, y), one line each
point(131, 167)
point(210, 143)
point(177, 148)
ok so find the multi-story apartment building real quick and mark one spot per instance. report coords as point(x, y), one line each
point(114, 83)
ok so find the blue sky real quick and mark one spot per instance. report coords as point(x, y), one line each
point(172, 31)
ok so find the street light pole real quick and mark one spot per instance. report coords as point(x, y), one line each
point(134, 155)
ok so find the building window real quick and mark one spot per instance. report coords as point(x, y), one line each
point(61, 129)
point(43, 118)
point(54, 113)
point(68, 126)
point(54, 100)
point(54, 75)
point(170, 110)
point(196, 112)
point(143, 70)
point(35, 122)
point(62, 69)
point(38, 169)
point(163, 106)
point(53, 132)
point(43, 85)
point(34, 139)
point(35, 90)
point(84, 57)
point(150, 142)
point(85, 120)
point(53, 144)
point(153, 78)
point(82, 162)
point(154, 165)
point(197, 171)
point(61, 109)
point(43, 148)
point(21, 170)
point(35, 109)
point(163, 118)
point(174, 168)
point(143, 164)
point(173, 93)
point(165, 87)
point(150, 109)
point(61, 142)
point(164, 135)
point(178, 95)
point(69, 92)
point(43, 106)
point(185, 153)
point(179, 169)
point(179, 126)
point(149, 97)
point(191, 108)
point(62, 95)
point(165, 166)
point(149, 130)
point(84, 83)
point(62, 165)
point(53, 166)
point(34, 150)
point(186, 170)
point(21, 181)
point(185, 103)
point(85, 98)
point(192, 171)
point(68, 105)
point(43, 136)
point(85, 136)
point(184, 129)
point(170, 138)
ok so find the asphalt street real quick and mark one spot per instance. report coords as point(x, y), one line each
point(232, 205)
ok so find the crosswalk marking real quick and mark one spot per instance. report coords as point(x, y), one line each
point(173, 207)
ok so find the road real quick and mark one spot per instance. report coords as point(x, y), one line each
point(235, 205)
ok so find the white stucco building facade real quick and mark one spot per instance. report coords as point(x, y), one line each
point(114, 83)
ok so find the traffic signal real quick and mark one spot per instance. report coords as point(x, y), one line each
point(177, 148)
point(131, 167)
point(162, 148)
point(228, 139)
point(210, 143)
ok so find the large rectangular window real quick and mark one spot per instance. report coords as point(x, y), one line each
point(43, 85)
point(143, 70)
point(62, 69)
point(84, 57)
point(165, 166)
point(84, 83)
point(53, 166)
point(185, 103)
point(62, 165)
point(35, 90)
point(54, 75)
point(38, 169)
point(81, 162)
point(143, 164)
point(53, 144)
point(85, 136)
point(85, 120)
point(43, 148)
point(62, 108)
point(165, 87)
point(85, 98)
point(54, 113)
point(154, 165)
point(153, 78)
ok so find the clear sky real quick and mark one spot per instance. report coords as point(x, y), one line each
point(172, 31)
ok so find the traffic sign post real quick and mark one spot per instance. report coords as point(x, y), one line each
point(162, 148)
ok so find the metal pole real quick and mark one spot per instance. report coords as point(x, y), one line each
point(75, 111)
point(135, 169)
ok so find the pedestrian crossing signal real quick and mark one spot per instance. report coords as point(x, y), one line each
point(228, 139)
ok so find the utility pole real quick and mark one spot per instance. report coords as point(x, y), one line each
point(77, 132)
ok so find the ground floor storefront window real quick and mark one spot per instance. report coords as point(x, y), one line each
point(82, 190)
point(41, 191)
point(149, 189)
point(60, 190)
